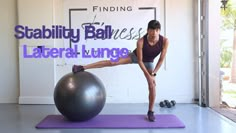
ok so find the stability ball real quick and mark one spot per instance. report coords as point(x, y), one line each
point(80, 96)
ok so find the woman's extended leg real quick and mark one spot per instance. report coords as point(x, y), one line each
point(100, 64)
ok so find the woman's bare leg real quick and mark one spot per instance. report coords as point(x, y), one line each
point(108, 63)
point(100, 64)
point(152, 94)
point(152, 97)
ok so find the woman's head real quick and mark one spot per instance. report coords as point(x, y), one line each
point(154, 28)
point(154, 24)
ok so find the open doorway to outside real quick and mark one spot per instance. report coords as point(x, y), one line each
point(228, 54)
point(228, 60)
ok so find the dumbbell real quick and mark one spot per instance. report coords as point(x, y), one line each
point(173, 102)
point(162, 104)
point(167, 103)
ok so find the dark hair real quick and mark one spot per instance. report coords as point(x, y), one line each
point(154, 24)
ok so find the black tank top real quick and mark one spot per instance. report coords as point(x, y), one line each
point(150, 52)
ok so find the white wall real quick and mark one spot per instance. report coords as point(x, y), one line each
point(177, 82)
point(36, 75)
point(9, 84)
point(124, 84)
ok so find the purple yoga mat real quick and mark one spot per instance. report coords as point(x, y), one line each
point(112, 121)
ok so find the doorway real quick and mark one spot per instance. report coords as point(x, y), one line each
point(228, 54)
point(227, 60)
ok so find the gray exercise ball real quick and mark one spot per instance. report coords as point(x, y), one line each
point(80, 96)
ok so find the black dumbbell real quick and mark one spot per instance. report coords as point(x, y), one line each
point(166, 101)
point(168, 104)
point(162, 104)
point(173, 102)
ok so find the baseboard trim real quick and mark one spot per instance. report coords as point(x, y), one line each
point(8, 100)
point(36, 100)
point(50, 100)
